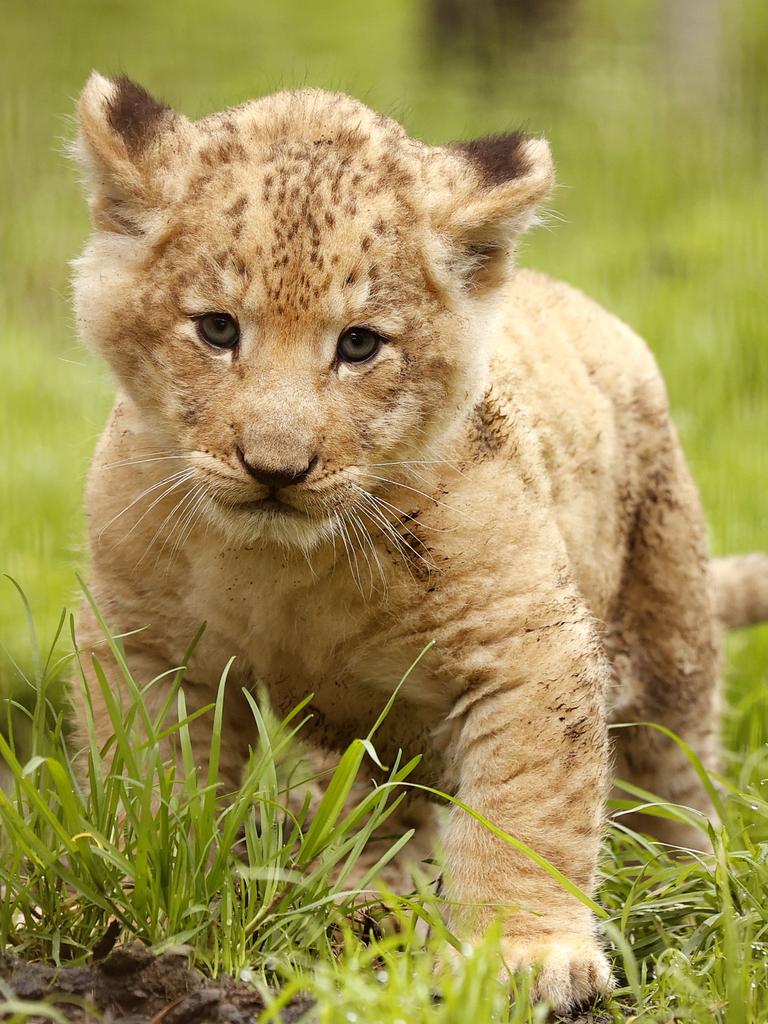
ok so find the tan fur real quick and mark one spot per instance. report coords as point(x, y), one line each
point(532, 511)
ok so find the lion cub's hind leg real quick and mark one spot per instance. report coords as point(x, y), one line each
point(665, 648)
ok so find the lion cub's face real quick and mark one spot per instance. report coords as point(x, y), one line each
point(294, 294)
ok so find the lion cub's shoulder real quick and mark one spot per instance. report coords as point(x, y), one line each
point(573, 383)
point(551, 324)
point(573, 364)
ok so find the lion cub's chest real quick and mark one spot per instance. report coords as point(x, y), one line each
point(302, 631)
point(267, 610)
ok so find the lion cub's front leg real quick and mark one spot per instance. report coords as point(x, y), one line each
point(529, 752)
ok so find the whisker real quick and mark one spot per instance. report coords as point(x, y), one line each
point(345, 538)
point(409, 462)
point(374, 552)
point(405, 517)
point(190, 518)
point(354, 569)
point(429, 497)
point(378, 520)
point(381, 506)
point(308, 560)
point(149, 457)
point(178, 515)
point(422, 476)
point(178, 477)
point(337, 520)
point(179, 504)
point(353, 549)
point(389, 528)
point(366, 536)
point(157, 501)
point(354, 527)
point(432, 449)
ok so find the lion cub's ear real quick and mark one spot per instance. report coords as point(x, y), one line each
point(121, 129)
point(494, 185)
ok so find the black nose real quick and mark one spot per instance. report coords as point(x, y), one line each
point(276, 478)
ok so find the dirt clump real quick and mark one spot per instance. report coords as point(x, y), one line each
point(133, 986)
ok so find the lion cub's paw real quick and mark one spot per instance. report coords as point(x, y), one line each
point(567, 971)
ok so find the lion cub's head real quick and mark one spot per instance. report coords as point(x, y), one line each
point(294, 294)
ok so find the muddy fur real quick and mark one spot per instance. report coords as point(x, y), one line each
point(502, 478)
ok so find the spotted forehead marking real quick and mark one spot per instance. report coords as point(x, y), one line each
point(295, 207)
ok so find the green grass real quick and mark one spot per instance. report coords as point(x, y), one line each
point(661, 215)
point(259, 885)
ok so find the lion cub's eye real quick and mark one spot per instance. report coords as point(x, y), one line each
point(358, 344)
point(218, 330)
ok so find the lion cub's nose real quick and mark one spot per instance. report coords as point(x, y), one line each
point(276, 478)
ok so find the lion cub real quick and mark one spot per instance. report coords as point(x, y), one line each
point(346, 427)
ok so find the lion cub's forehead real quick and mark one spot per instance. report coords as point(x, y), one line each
point(299, 192)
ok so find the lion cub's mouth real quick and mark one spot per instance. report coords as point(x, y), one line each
point(271, 505)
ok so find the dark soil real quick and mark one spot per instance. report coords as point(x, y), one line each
point(133, 986)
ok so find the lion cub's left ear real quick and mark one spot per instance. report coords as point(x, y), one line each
point(491, 187)
point(123, 143)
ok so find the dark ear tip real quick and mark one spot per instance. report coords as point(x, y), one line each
point(133, 112)
point(499, 158)
point(131, 91)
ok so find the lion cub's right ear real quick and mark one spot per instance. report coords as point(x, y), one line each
point(123, 132)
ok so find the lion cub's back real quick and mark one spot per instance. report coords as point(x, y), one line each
point(597, 403)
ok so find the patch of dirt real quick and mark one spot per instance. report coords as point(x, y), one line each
point(133, 986)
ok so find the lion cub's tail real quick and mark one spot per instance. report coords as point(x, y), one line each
point(741, 589)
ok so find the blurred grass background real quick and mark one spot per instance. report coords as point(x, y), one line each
point(657, 111)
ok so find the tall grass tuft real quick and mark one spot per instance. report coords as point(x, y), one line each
point(265, 885)
point(155, 844)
